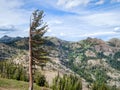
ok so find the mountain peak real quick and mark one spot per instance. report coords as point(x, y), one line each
point(7, 39)
point(5, 36)
point(95, 40)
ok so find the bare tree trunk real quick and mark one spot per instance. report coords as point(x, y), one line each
point(30, 62)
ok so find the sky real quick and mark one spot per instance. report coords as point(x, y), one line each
point(70, 20)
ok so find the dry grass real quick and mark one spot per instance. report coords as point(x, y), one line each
point(9, 84)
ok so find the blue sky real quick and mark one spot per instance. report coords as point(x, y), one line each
point(70, 20)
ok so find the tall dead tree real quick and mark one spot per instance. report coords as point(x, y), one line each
point(37, 53)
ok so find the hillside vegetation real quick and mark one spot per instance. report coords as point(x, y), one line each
point(97, 62)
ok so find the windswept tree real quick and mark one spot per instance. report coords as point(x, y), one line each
point(37, 53)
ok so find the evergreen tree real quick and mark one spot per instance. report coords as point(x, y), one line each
point(37, 53)
point(67, 82)
point(11, 71)
point(100, 86)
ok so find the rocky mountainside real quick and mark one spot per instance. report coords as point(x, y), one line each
point(92, 59)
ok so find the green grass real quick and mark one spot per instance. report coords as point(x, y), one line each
point(9, 84)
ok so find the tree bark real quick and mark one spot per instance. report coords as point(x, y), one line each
point(30, 61)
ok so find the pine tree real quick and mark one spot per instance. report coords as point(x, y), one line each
point(37, 54)
point(67, 82)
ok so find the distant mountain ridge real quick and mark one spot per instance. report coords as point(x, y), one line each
point(7, 39)
point(93, 59)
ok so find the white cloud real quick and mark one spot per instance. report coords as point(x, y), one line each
point(97, 34)
point(62, 2)
point(62, 24)
point(12, 14)
point(49, 30)
point(117, 29)
point(103, 19)
point(10, 4)
point(72, 3)
point(102, 35)
point(115, 0)
point(62, 34)
point(75, 27)
point(55, 21)
point(100, 2)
